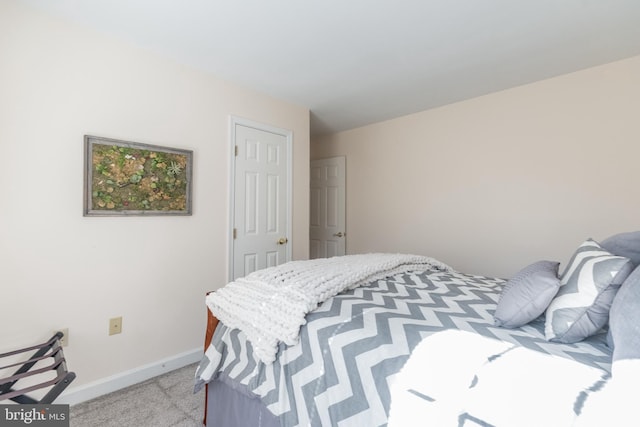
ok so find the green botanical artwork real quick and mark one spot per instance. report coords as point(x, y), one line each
point(129, 178)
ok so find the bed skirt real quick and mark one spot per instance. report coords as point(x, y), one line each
point(229, 406)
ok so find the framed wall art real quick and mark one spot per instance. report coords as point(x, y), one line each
point(129, 178)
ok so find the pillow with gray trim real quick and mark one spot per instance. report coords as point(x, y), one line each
point(587, 288)
point(527, 294)
point(624, 319)
point(624, 244)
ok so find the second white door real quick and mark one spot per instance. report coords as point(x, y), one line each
point(327, 235)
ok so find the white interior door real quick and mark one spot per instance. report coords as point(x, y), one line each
point(261, 205)
point(327, 235)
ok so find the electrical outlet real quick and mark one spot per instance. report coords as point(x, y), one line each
point(115, 325)
point(64, 341)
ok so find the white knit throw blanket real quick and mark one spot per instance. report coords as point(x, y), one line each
point(270, 305)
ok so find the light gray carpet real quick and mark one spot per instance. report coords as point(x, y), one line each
point(164, 401)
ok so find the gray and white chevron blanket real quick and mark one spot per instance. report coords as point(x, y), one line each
point(416, 348)
point(270, 305)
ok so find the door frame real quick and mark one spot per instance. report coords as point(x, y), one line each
point(288, 134)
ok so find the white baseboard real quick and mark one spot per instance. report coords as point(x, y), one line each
point(98, 388)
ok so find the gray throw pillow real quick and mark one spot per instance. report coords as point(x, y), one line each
point(624, 319)
point(624, 244)
point(527, 294)
point(587, 288)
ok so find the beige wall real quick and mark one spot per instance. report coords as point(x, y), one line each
point(491, 184)
point(58, 269)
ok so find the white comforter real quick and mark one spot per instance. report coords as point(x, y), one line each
point(460, 378)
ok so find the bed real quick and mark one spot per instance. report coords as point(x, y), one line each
point(409, 341)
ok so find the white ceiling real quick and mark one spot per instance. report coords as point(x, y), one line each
point(355, 62)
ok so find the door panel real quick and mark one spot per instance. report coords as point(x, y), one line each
point(261, 200)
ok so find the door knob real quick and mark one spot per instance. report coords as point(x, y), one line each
point(282, 240)
point(339, 234)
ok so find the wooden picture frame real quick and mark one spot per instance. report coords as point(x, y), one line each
point(123, 178)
